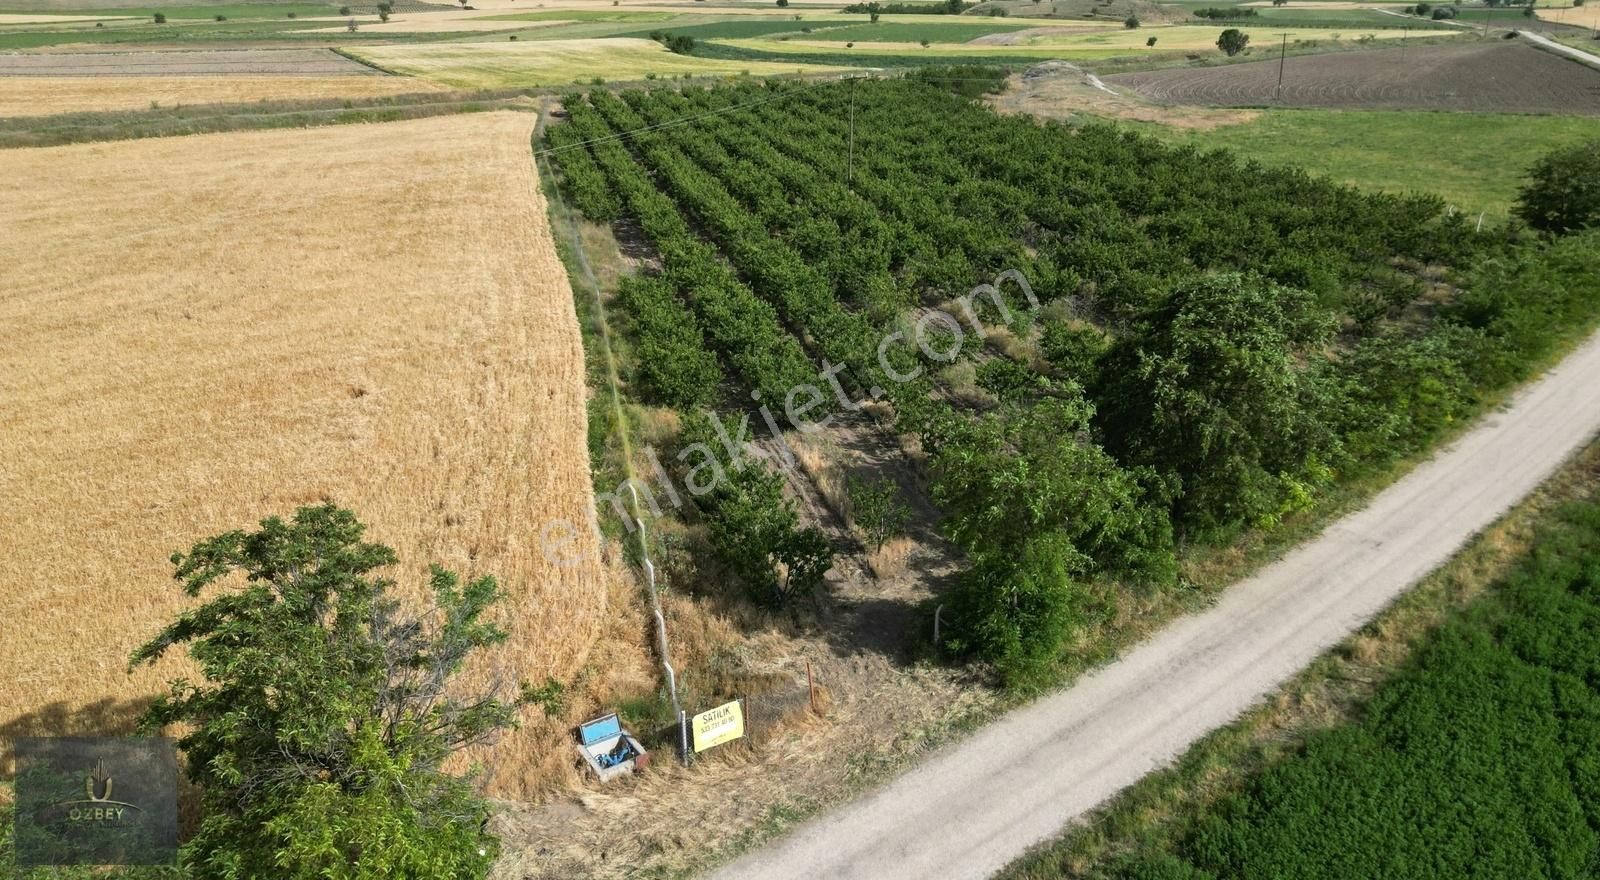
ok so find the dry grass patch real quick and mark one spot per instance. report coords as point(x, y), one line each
point(24, 18)
point(45, 95)
point(205, 330)
point(557, 62)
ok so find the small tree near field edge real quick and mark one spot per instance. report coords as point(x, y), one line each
point(1233, 41)
point(876, 507)
point(325, 709)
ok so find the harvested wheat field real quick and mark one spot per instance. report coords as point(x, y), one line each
point(184, 62)
point(205, 330)
point(1578, 16)
point(557, 62)
point(44, 95)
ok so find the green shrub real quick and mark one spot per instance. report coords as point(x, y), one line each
point(1017, 609)
point(876, 507)
point(1563, 190)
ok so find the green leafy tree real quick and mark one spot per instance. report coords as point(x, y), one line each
point(1233, 41)
point(1131, 22)
point(326, 710)
point(1074, 351)
point(1211, 393)
point(755, 531)
point(1150, 43)
point(1025, 471)
point(1017, 609)
point(160, 18)
point(876, 507)
point(1562, 193)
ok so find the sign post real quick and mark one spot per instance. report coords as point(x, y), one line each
point(714, 727)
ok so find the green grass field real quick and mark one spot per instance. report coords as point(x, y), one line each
point(958, 31)
point(1474, 160)
point(702, 28)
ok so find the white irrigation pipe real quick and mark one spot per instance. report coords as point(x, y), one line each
point(655, 604)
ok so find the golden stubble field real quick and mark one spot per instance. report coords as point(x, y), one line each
point(202, 331)
point(44, 95)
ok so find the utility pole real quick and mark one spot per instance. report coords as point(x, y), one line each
point(1283, 52)
point(850, 163)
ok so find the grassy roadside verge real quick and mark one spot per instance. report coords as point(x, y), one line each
point(1154, 813)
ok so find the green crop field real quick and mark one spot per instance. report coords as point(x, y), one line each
point(1480, 758)
point(1475, 161)
point(940, 30)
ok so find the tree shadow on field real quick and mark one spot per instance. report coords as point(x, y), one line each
point(105, 717)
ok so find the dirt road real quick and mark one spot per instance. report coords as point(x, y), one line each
point(1578, 55)
point(972, 808)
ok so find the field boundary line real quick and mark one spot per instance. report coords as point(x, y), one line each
point(613, 384)
point(373, 65)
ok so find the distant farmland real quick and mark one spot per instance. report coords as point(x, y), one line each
point(557, 62)
point(44, 95)
point(1497, 76)
point(206, 330)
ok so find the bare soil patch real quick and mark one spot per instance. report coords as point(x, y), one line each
point(1059, 90)
point(221, 62)
point(1501, 75)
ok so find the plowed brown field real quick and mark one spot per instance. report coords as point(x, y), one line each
point(1501, 75)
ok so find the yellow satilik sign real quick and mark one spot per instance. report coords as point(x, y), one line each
point(714, 727)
